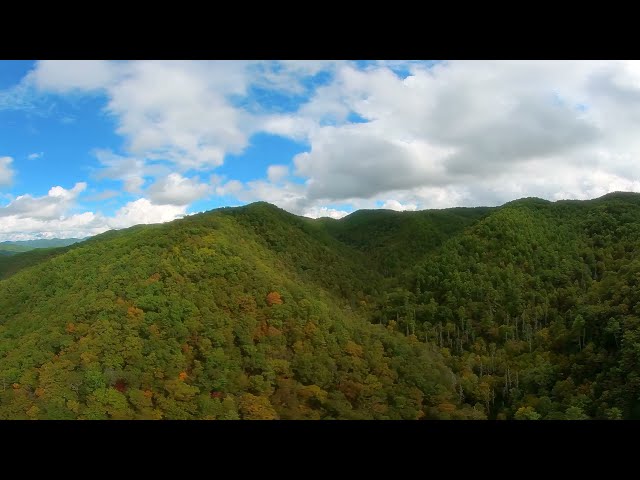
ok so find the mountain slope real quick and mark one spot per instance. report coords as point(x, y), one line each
point(537, 304)
point(207, 317)
point(527, 311)
point(394, 241)
point(11, 264)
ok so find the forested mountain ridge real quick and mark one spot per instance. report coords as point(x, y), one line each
point(396, 240)
point(208, 317)
point(17, 255)
point(526, 311)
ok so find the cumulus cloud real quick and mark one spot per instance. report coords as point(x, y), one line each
point(287, 75)
point(171, 110)
point(358, 161)
point(177, 190)
point(232, 187)
point(69, 75)
point(49, 216)
point(465, 132)
point(185, 118)
point(27, 228)
point(432, 136)
point(27, 217)
point(289, 196)
point(131, 171)
point(319, 212)
point(6, 172)
point(396, 205)
point(53, 205)
point(276, 173)
point(35, 156)
point(184, 112)
point(143, 211)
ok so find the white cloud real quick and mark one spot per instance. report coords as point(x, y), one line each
point(289, 196)
point(131, 171)
point(35, 156)
point(318, 212)
point(180, 111)
point(6, 172)
point(186, 117)
point(465, 132)
point(27, 217)
point(177, 190)
point(286, 75)
point(382, 163)
point(171, 110)
point(457, 133)
point(285, 194)
point(28, 228)
point(396, 205)
point(48, 216)
point(69, 75)
point(143, 211)
point(53, 205)
point(232, 187)
point(276, 173)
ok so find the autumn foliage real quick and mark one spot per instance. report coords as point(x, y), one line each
point(274, 299)
point(256, 408)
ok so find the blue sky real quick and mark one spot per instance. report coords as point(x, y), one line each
point(87, 146)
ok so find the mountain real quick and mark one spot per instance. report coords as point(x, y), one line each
point(10, 264)
point(394, 241)
point(525, 311)
point(11, 248)
point(235, 313)
point(17, 255)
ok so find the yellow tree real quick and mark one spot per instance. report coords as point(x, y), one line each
point(256, 408)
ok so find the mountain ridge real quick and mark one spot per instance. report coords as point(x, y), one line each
point(252, 312)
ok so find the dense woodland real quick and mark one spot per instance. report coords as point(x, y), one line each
point(526, 311)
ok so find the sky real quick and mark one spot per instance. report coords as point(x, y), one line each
point(88, 146)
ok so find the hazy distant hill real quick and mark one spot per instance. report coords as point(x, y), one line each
point(11, 248)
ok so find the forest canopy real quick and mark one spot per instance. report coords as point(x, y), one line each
point(526, 311)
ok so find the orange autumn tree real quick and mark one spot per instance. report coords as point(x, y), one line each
point(274, 299)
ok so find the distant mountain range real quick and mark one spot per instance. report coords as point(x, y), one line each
point(11, 248)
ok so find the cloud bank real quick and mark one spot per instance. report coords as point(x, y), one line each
point(403, 135)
